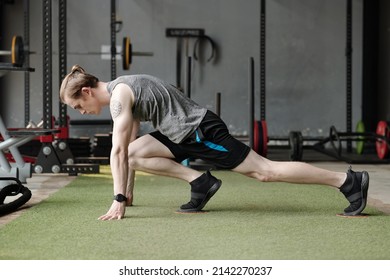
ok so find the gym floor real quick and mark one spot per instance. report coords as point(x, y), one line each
point(43, 185)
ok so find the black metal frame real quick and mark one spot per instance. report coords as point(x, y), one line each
point(262, 60)
point(349, 73)
point(47, 63)
point(26, 13)
point(113, 39)
point(251, 109)
point(62, 57)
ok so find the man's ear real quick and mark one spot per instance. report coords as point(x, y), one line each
point(86, 91)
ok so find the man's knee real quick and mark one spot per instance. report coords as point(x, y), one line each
point(132, 157)
point(133, 163)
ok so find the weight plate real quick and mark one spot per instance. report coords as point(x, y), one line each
point(296, 145)
point(292, 145)
point(126, 53)
point(360, 143)
point(256, 137)
point(130, 52)
point(335, 140)
point(17, 51)
point(265, 138)
point(260, 137)
point(382, 130)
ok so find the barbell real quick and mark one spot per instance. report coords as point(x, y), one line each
point(381, 137)
point(18, 52)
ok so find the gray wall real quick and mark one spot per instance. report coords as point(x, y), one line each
point(305, 56)
point(384, 62)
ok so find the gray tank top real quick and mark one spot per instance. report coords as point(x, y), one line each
point(170, 111)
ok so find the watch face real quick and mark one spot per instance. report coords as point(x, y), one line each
point(120, 198)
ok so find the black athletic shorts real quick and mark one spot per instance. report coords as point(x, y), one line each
point(211, 142)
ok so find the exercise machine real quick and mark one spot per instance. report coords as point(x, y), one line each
point(14, 174)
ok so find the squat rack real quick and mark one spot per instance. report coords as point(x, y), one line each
point(19, 170)
point(57, 158)
point(335, 138)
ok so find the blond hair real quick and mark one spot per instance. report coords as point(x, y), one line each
point(73, 83)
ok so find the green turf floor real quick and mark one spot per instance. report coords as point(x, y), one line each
point(245, 220)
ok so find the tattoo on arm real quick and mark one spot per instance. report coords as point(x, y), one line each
point(115, 108)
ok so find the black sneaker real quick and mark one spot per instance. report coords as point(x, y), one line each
point(355, 189)
point(202, 189)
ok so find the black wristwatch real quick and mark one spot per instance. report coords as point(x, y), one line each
point(120, 197)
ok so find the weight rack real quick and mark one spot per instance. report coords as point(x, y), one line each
point(295, 139)
point(58, 158)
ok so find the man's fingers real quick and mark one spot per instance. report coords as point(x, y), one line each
point(110, 217)
point(104, 217)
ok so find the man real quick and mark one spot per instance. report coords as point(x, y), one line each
point(183, 130)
